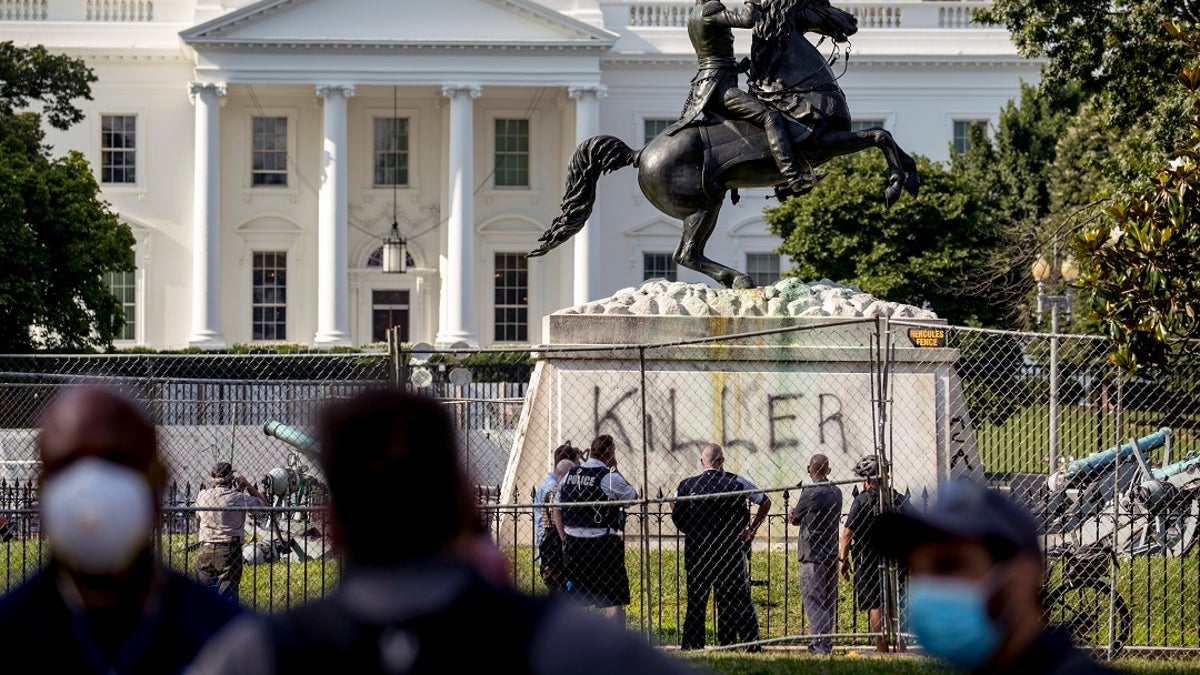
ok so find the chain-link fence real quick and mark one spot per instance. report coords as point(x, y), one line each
point(683, 550)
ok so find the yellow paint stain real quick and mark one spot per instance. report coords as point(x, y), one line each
point(718, 325)
point(718, 386)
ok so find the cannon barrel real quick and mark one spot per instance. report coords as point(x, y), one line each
point(1178, 467)
point(1100, 461)
point(292, 436)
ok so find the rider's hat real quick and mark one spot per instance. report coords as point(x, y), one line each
point(964, 510)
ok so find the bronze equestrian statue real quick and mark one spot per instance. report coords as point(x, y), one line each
point(715, 95)
point(687, 174)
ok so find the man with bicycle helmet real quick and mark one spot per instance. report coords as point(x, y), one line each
point(857, 553)
point(975, 592)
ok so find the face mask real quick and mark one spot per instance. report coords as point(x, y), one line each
point(950, 618)
point(97, 515)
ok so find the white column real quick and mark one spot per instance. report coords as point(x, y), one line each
point(332, 276)
point(458, 276)
point(206, 217)
point(587, 124)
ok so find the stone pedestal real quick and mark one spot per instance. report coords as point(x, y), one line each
point(795, 386)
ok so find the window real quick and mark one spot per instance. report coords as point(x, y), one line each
point(391, 151)
point(389, 309)
point(962, 133)
point(118, 149)
point(654, 127)
point(269, 303)
point(512, 153)
point(859, 125)
point(269, 152)
point(123, 287)
point(376, 259)
point(512, 298)
point(658, 266)
point(763, 268)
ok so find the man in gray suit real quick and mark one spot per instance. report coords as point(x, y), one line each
point(817, 512)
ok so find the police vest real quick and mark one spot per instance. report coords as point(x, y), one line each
point(582, 484)
point(716, 515)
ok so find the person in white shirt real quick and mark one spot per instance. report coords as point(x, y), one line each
point(594, 546)
point(222, 521)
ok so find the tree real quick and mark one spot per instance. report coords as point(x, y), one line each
point(930, 250)
point(57, 238)
point(1013, 164)
point(1140, 258)
point(1110, 47)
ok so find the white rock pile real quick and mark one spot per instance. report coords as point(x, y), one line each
point(788, 297)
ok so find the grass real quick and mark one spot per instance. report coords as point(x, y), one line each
point(772, 664)
point(1020, 443)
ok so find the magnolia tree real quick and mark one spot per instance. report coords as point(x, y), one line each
point(1140, 258)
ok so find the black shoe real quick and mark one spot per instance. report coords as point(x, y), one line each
point(803, 185)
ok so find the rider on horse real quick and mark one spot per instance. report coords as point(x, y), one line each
point(715, 89)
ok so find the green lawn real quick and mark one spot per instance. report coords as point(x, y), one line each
point(772, 664)
point(1021, 442)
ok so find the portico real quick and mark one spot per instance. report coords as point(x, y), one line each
point(310, 117)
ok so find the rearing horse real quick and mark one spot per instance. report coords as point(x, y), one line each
point(687, 175)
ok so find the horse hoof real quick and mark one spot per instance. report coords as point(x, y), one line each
point(912, 184)
point(890, 195)
point(743, 281)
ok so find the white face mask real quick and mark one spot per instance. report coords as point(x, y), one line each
point(97, 515)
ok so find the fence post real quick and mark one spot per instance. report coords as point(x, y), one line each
point(645, 505)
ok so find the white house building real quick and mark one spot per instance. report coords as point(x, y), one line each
point(260, 151)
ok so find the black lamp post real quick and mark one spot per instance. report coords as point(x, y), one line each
point(395, 249)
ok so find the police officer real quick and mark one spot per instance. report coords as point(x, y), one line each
point(219, 560)
point(717, 532)
point(594, 547)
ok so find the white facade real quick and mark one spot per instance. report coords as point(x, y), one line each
point(258, 192)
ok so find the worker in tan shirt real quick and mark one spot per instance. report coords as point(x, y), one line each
point(222, 523)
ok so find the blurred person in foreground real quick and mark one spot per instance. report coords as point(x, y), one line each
point(975, 591)
point(104, 603)
point(418, 591)
point(222, 523)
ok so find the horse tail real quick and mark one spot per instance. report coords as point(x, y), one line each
point(593, 158)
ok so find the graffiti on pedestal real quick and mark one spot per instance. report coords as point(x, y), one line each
point(778, 417)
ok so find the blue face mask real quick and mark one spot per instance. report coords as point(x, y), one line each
point(951, 621)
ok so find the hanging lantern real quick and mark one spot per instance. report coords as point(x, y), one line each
point(395, 252)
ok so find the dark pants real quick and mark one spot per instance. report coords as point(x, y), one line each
point(818, 587)
point(220, 567)
point(720, 568)
point(554, 565)
point(596, 570)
